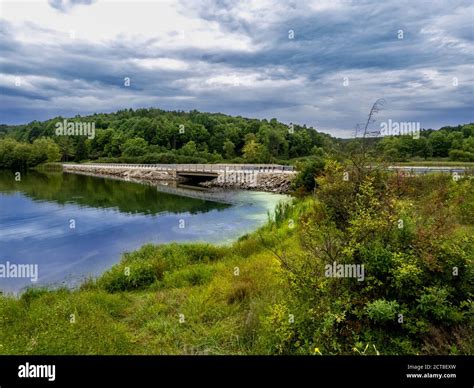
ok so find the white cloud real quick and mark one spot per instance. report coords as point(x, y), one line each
point(106, 21)
point(160, 63)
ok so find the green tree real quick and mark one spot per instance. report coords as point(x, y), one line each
point(439, 143)
point(229, 149)
point(189, 148)
point(305, 181)
point(135, 147)
point(66, 146)
point(49, 148)
point(253, 151)
point(81, 150)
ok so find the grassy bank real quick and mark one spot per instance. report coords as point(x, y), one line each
point(178, 299)
point(268, 292)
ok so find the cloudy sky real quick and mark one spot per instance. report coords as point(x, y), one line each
point(320, 63)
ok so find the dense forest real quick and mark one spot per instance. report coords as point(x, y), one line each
point(157, 136)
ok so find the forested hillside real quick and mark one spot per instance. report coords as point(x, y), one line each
point(157, 136)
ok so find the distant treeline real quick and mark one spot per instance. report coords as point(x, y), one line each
point(17, 155)
point(455, 143)
point(157, 136)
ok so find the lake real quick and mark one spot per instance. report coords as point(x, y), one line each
point(76, 226)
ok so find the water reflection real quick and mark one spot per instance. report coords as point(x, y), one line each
point(109, 218)
point(99, 192)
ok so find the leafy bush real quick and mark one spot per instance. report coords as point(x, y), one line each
point(407, 233)
point(193, 275)
point(463, 156)
point(308, 171)
point(130, 277)
point(141, 268)
point(433, 303)
point(16, 155)
point(381, 310)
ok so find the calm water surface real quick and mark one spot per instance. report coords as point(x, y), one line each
point(110, 217)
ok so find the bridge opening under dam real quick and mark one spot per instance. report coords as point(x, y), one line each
point(196, 177)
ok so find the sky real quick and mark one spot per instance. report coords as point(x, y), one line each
point(316, 62)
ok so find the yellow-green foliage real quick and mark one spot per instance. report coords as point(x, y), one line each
point(411, 240)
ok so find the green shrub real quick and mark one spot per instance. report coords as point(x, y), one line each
point(141, 268)
point(130, 277)
point(33, 293)
point(433, 303)
point(308, 171)
point(191, 253)
point(460, 155)
point(381, 310)
point(407, 274)
point(193, 275)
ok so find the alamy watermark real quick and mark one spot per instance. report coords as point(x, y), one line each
point(231, 176)
point(75, 128)
point(335, 270)
point(37, 371)
point(395, 128)
point(11, 270)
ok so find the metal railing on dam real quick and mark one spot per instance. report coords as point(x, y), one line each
point(428, 169)
point(217, 168)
